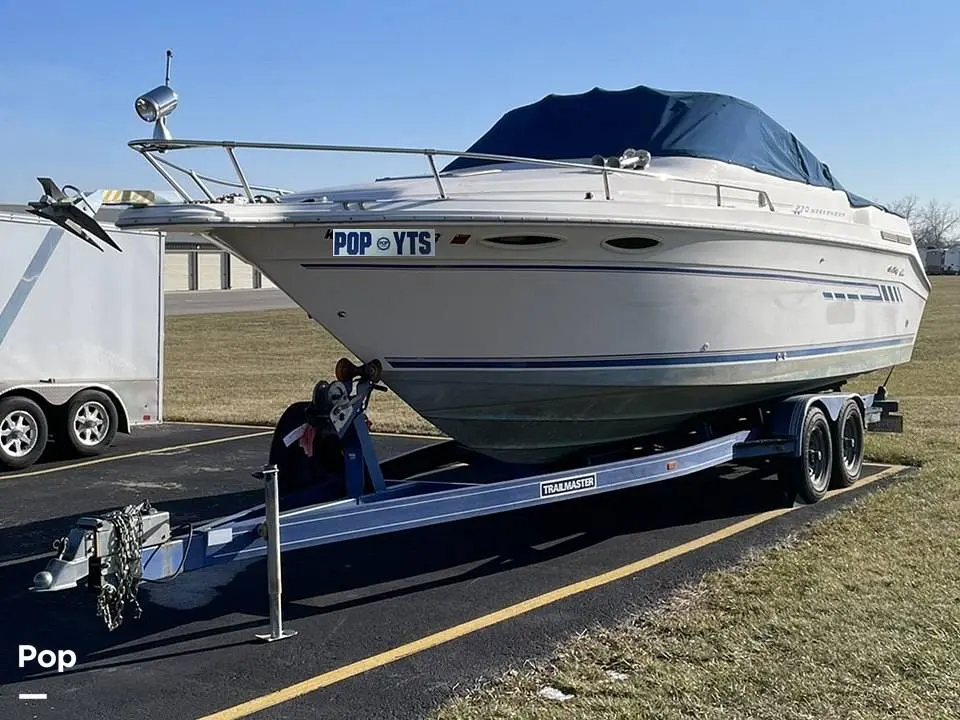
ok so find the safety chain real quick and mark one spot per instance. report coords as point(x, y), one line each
point(125, 565)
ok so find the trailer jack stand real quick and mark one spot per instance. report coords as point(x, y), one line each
point(270, 531)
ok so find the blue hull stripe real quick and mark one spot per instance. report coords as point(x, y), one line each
point(416, 265)
point(644, 361)
point(850, 296)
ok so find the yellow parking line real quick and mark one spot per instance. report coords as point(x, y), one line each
point(219, 425)
point(127, 456)
point(430, 641)
point(411, 436)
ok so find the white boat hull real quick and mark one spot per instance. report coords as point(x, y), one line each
point(752, 273)
point(527, 355)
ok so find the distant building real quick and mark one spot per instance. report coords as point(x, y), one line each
point(192, 262)
point(943, 261)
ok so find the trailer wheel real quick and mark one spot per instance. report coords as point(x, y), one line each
point(809, 475)
point(23, 432)
point(848, 441)
point(91, 422)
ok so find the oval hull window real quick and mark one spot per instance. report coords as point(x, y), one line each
point(631, 244)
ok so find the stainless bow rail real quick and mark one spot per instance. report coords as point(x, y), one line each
point(151, 149)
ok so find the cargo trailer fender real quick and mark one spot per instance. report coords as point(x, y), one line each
point(58, 395)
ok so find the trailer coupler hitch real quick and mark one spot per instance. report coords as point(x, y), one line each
point(103, 554)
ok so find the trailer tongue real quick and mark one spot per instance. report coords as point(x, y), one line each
point(340, 491)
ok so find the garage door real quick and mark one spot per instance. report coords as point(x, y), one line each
point(208, 271)
point(265, 282)
point(176, 273)
point(241, 273)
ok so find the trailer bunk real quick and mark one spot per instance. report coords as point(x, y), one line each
point(342, 491)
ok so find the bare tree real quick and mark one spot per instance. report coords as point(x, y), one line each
point(934, 225)
point(940, 225)
point(907, 207)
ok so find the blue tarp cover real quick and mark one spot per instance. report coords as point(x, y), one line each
point(665, 123)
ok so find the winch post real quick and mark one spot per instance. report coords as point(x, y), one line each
point(360, 459)
point(271, 528)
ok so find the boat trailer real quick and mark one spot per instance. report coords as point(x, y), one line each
point(324, 484)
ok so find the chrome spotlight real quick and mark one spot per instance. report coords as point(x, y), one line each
point(155, 105)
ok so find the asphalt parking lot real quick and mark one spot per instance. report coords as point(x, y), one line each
point(387, 626)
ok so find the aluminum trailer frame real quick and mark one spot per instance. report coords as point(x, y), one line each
point(816, 440)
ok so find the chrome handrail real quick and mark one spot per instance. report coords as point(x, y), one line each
point(198, 178)
point(149, 149)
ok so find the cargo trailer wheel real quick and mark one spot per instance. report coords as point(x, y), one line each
point(848, 441)
point(809, 475)
point(91, 422)
point(23, 432)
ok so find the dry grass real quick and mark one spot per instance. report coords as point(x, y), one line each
point(247, 368)
point(858, 617)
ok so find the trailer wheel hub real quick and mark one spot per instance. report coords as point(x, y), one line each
point(90, 424)
point(18, 433)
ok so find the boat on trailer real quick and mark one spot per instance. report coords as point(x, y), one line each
point(594, 269)
point(764, 388)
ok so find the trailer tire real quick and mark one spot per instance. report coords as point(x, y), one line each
point(90, 422)
point(24, 432)
point(848, 445)
point(809, 475)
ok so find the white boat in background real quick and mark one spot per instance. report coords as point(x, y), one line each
point(595, 269)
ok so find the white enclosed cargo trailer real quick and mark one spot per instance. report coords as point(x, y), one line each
point(943, 261)
point(81, 331)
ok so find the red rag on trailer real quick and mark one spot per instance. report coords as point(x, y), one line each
point(306, 440)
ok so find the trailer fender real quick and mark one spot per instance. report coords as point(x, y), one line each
point(53, 396)
point(788, 416)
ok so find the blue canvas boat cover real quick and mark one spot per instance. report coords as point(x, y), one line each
point(665, 123)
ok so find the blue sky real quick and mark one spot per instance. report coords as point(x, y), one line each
point(870, 87)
